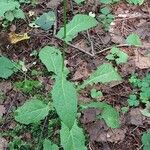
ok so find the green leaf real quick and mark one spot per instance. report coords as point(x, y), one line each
point(109, 114)
point(18, 13)
point(105, 10)
point(117, 55)
point(134, 40)
point(146, 111)
point(8, 5)
point(9, 16)
point(48, 145)
point(146, 140)
point(96, 94)
point(79, 1)
point(104, 74)
point(51, 57)
point(132, 101)
point(7, 67)
point(135, 2)
point(46, 20)
point(108, 1)
point(65, 100)
point(72, 139)
point(27, 85)
point(31, 112)
point(77, 24)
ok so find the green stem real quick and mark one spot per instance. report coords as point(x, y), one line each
point(65, 22)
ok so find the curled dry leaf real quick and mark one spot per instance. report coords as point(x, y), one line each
point(15, 38)
point(142, 62)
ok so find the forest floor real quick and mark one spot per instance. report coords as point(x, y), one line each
point(81, 62)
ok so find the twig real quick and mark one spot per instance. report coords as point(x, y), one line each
point(121, 45)
point(108, 48)
point(78, 48)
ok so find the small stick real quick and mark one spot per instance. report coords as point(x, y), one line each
point(121, 45)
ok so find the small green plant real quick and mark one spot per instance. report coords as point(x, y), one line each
point(96, 94)
point(10, 9)
point(117, 55)
point(133, 40)
point(143, 86)
point(106, 17)
point(132, 101)
point(27, 86)
point(146, 140)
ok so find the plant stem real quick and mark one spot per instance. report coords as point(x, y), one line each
point(65, 22)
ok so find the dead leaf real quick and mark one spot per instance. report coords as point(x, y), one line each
point(3, 144)
point(53, 4)
point(15, 38)
point(5, 87)
point(142, 62)
point(97, 131)
point(135, 117)
point(89, 115)
point(116, 135)
point(2, 110)
point(81, 72)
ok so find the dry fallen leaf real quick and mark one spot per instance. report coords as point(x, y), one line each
point(3, 143)
point(15, 38)
point(2, 110)
point(142, 62)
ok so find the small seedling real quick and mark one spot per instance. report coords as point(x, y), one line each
point(146, 140)
point(143, 85)
point(117, 55)
point(27, 86)
point(106, 17)
point(132, 101)
point(96, 94)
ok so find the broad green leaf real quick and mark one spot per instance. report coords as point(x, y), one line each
point(79, 1)
point(51, 57)
point(77, 24)
point(31, 112)
point(7, 67)
point(109, 114)
point(48, 145)
point(46, 20)
point(65, 100)
point(146, 140)
point(103, 74)
point(8, 5)
point(133, 39)
point(72, 139)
